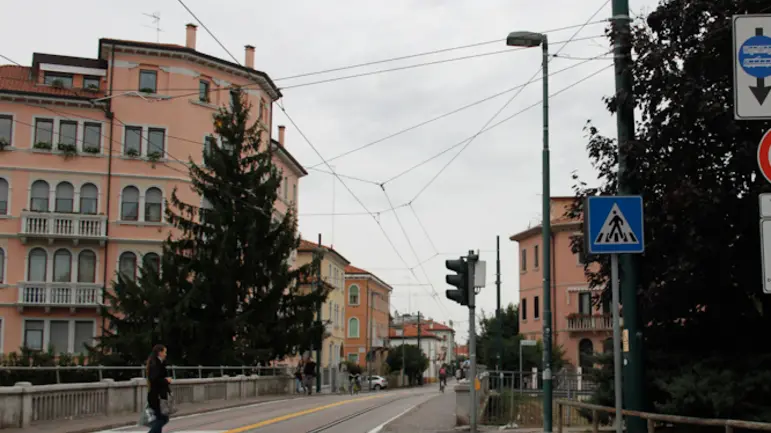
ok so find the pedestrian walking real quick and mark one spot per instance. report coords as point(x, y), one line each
point(309, 373)
point(298, 375)
point(159, 391)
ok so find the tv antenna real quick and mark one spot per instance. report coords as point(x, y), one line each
point(156, 17)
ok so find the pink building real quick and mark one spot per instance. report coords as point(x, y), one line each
point(578, 326)
point(90, 149)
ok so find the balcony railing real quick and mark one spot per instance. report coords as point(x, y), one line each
point(70, 295)
point(590, 322)
point(64, 225)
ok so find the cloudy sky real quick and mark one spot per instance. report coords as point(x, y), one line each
point(492, 188)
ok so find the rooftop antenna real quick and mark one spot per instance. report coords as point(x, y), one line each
point(156, 16)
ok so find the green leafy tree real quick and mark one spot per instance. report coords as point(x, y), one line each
point(415, 361)
point(699, 291)
point(487, 344)
point(225, 293)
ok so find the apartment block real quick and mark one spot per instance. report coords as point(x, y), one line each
point(580, 326)
point(368, 300)
point(90, 150)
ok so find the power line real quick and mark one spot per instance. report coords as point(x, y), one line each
point(471, 140)
point(422, 227)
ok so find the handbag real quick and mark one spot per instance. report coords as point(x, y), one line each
point(167, 405)
point(146, 416)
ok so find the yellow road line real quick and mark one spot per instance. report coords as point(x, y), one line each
point(298, 414)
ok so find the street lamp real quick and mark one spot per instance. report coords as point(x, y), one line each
point(530, 40)
point(526, 343)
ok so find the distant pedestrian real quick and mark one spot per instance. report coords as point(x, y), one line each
point(158, 391)
point(298, 375)
point(309, 373)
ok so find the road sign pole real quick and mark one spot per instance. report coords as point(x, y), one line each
point(616, 342)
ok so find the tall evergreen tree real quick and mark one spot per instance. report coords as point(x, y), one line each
point(699, 294)
point(226, 293)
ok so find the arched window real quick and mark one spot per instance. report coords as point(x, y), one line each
point(153, 205)
point(152, 261)
point(2, 265)
point(585, 353)
point(89, 199)
point(353, 327)
point(62, 266)
point(128, 265)
point(129, 206)
point(39, 196)
point(87, 267)
point(37, 266)
point(65, 197)
point(3, 197)
point(353, 295)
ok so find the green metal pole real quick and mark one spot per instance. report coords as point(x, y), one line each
point(634, 385)
point(547, 335)
point(321, 338)
point(498, 313)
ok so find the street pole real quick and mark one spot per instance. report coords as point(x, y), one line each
point(420, 350)
point(368, 342)
point(616, 341)
point(547, 336)
point(634, 369)
point(321, 337)
point(472, 343)
point(498, 313)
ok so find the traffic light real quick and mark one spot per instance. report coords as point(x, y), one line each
point(459, 280)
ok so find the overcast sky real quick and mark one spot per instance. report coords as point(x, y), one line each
point(492, 188)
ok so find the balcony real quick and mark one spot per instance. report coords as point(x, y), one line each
point(68, 295)
point(590, 322)
point(53, 226)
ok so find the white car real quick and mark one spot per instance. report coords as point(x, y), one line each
point(377, 382)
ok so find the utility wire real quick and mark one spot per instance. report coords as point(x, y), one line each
point(548, 60)
point(422, 227)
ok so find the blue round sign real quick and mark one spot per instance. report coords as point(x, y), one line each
point(755, 56)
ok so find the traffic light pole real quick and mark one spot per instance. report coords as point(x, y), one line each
point(472, 343)
point(634, 380)
point(321, 338)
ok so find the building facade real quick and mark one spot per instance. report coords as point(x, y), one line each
point(444, 351)
point(579, 326)
point(90, 150)
point(333, 311)
point(368, 300)
point(428, 342)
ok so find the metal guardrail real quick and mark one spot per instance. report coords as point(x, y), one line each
point(101, 372)
point(651, 418)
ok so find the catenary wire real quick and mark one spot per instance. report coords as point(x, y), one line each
point(497, 113)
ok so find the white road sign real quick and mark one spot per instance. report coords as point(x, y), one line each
point(765, 253)
point(752, 66)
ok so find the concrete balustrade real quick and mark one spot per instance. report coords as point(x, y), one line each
point(23, 405)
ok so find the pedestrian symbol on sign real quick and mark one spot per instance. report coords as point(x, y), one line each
point(616, 230)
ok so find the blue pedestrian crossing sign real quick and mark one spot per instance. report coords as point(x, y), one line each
point(614, 225)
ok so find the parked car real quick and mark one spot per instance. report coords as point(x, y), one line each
point(377, 382)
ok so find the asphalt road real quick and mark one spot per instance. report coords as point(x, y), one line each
point(362, 413)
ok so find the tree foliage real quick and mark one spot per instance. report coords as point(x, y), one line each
point(487, 349)
point(415, 361)
point(699, 281)
point(226, 293)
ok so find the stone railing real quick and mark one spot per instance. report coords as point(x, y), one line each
point(60, 294)
point(590, 322)
point(23, 405)
point(63, 225)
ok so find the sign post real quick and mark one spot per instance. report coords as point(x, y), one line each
point(614, 225)
point(752, 66)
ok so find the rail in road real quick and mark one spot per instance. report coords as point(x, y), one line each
point(314, 414)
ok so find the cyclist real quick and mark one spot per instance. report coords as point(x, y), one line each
point(442, 378)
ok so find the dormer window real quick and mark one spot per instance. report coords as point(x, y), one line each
point(57, 80)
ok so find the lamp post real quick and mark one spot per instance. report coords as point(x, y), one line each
point(530, 40)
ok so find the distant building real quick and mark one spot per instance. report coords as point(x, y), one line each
point(439, 347)
point(333, 311)
point(368, 300)
point(580, 327)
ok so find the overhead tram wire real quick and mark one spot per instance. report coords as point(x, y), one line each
point(422, 227)
point(441, 170)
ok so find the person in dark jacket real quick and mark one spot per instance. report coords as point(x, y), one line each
point(158, 386)
point(309, 373)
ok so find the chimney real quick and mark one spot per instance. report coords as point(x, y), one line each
point(281, 131)
point(249, 62)
point(190, 39)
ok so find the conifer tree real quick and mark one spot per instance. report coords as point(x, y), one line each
point(226, 294)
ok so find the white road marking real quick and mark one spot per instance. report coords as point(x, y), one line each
point(379, 428)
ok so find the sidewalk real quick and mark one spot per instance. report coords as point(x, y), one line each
point(88, 425)
point(435, 415)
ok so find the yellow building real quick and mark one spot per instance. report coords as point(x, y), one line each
point(333, 311)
